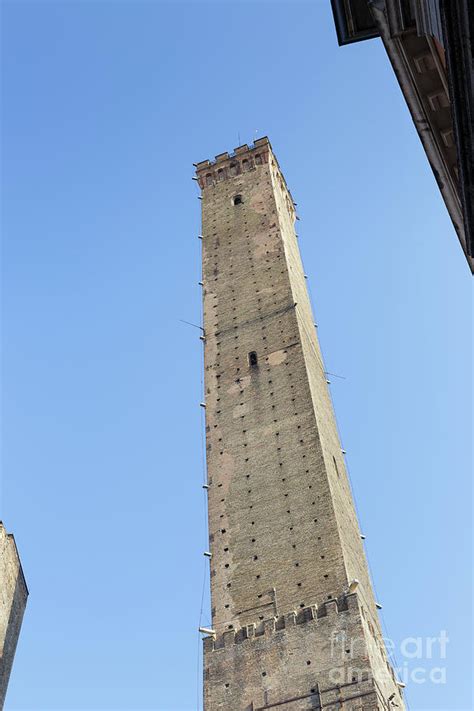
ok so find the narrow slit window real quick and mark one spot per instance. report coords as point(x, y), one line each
point(253, 359)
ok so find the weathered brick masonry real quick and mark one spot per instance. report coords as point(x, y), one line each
point(283, 532)
point(13, 596)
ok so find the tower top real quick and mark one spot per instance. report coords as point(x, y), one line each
point(9, 540)
point(262, 143)
point(243, 159)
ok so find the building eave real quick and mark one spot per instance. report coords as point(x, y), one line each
point(431, 55)
point(346, 30)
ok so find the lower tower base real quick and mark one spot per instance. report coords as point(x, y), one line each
point(317, 658)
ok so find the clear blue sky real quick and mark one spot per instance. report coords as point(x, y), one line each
point(106, 105)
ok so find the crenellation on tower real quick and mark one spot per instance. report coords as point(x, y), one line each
point(270, 625)
point(283, 531)
point(243, 159)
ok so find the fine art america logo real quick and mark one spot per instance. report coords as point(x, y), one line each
point(416, 660)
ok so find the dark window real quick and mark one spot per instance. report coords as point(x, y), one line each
point(238, 200)
point(253, 360)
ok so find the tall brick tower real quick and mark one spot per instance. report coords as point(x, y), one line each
point(294, 620)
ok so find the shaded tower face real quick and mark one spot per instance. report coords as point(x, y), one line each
point(283, 532)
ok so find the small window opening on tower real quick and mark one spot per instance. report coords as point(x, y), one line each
point(237, 200)
point(253, 359)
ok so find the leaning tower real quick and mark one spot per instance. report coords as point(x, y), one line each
point(294, 620)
